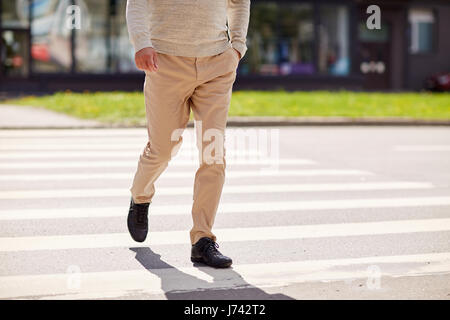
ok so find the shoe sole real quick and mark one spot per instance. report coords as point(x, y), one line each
point(137, 240)
point(200, 260)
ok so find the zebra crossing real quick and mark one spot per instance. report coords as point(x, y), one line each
point(227, 235)
point(284, 221)
point(52, 286)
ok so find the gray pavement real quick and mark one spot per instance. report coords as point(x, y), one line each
point(338, 213)
point(16, 117)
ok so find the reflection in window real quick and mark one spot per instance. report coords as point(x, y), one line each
point(262, 55)
point(296, 39)
point(51, 45)
point(422, 24)
point(333, 53)
point(14, 53)
point(14, 13)
point(121, 51)
point(280, 40)
point(91, 40)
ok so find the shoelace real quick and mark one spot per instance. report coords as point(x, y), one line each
point(141, 215)
point(211, 246)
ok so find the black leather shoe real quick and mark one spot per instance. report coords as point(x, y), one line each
point(205, 251)
point(138, 221)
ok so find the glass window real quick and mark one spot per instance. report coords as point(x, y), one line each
point(121, 50)
point(280, 40)
point(97, 49)
point(91, 40)
point(373, 35)
point(14, 53)
point(296, 41)
point(262, 55)
point(14, 13)
point(50, 37)
point(333, 56)
point(422, 29)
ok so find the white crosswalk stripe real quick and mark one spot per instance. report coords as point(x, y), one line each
point(277, 207)
point(64, 133)
point(272, 188)
point(39, 147)
point(133, 164)
point(426, 148)
point(231, 234)
point(185, 174)
point(92, 285)
point(32, 155)
point(130, 154)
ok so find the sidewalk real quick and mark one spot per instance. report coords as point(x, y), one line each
point(19, 117)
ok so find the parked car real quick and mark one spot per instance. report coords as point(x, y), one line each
point(438, 82)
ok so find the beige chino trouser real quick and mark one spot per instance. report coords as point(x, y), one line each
point(180, 84)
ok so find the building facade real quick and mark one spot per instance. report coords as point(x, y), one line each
point(49, 45)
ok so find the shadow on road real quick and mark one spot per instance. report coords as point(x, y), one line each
point(178, 285)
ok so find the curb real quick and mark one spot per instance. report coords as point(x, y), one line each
point(267, 122)
point(332, 121)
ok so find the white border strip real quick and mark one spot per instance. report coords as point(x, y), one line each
point(129, 164)
point(425, 148)
point(132, 155)
point(233, 189)
point(115, 284)
point(107, 240)
point(233, 174)
point(29, 133)
point(240, 207)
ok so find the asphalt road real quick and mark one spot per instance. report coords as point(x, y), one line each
point(306, 213)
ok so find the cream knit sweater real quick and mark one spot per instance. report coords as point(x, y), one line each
point(190, 28)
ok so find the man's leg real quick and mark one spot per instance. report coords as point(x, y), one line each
point(210, 103)
point(167, 93)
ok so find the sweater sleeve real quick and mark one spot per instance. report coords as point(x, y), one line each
point(238, 18)
point(137, 14)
